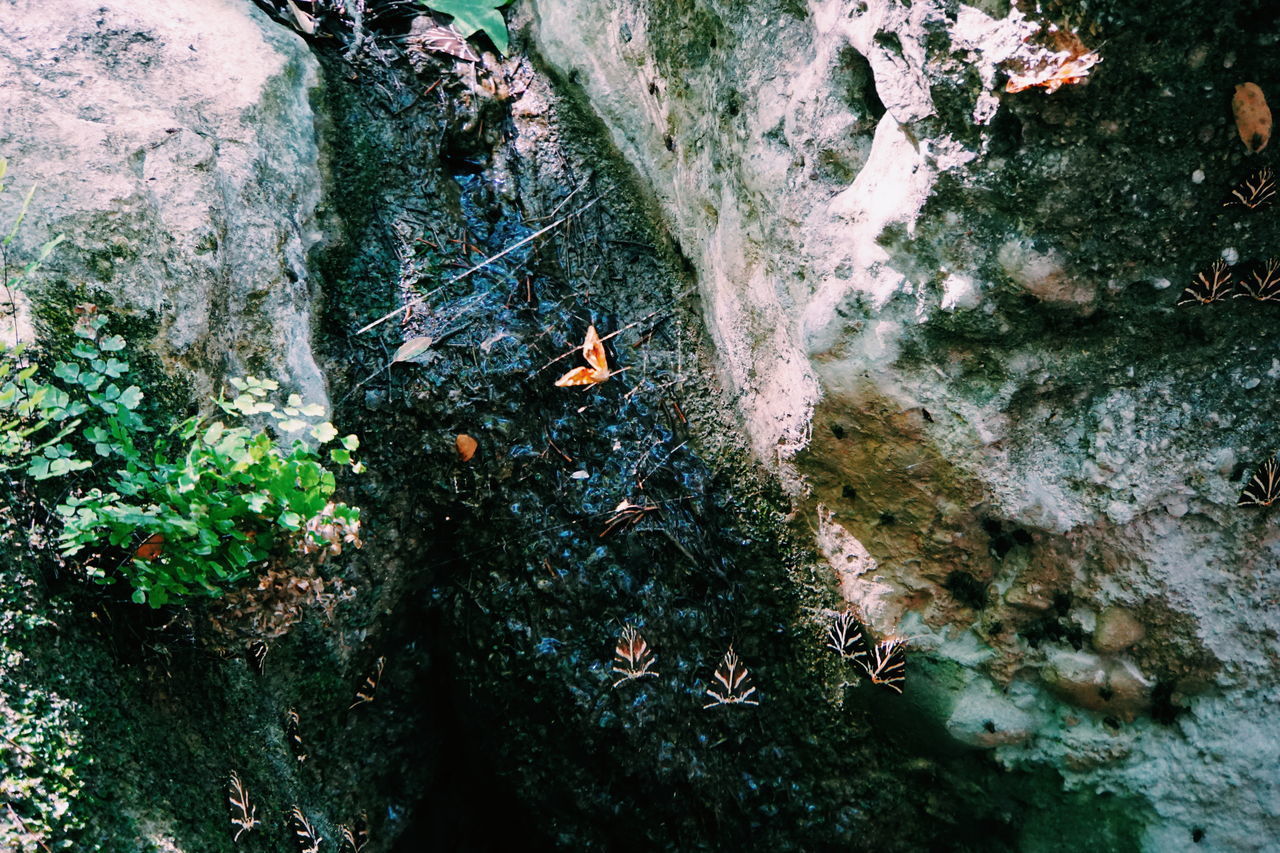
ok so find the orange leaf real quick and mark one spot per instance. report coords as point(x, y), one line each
point(1253, 116)
point(466, 446)
point(593, 352)
point(151, 548)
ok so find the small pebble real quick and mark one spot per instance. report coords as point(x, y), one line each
point(1197, 177)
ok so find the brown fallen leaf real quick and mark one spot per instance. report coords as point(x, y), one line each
point(1065, 62)
point(306, 23)
point(411, 349)
point(466, 446)
point(1253, 116)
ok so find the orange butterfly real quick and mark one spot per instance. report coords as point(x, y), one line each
point(593, 352)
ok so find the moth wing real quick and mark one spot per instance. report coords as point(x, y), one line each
point(593, 352)
point(578, 376)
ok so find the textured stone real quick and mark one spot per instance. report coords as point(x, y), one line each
point(947, 311)
point(174, 145)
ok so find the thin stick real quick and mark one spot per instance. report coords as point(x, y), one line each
point(603, 338)
point(481, 265)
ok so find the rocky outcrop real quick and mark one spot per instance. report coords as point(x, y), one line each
point(174, 146)
point(947, 313)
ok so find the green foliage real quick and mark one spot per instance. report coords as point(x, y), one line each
point(470, 16)
point(212, 498)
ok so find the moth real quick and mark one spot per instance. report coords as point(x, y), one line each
point(888, 663)
point(294, 736)
point(305, 837)
point(356, 836)
point(844, 637)
point(1211, 285)
point(256, 652)
point(593, 352)
point(1262, 282)
point(632, 657)
point(446, 40)
point(1254, 192)
point(1263, 489)
point(243, 813)
point(364, 695)
point(735, 683)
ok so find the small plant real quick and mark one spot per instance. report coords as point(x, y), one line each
point(195, 509)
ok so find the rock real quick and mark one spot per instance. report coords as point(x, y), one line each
point(995, 260)
point(1117, 630)
point(174, 145)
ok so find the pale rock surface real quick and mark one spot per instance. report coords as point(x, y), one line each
point(947, 311)
point(173, 144)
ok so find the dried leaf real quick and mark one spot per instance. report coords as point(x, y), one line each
point(411, 349)
point(1253, 116)
point(466, 446)
point(151, 548)
point(489, 342)
point(306, 23)
point(1068, 62)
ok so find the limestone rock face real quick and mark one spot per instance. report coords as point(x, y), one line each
point(173, 145)
point(947, 311)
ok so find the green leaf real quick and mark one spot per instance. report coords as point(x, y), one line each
point(213, 433)
point(472, 15)
point(324, 432)
point(351, 442)
point(131, 397)
point(115, 343)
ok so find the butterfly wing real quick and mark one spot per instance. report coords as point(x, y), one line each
point(593, 352)
point(577, 376)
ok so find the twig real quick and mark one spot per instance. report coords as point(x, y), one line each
point(481, 265)
point(603, 338)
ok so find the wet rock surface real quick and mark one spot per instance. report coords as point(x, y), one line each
point(960, 303)
point(943, 319)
